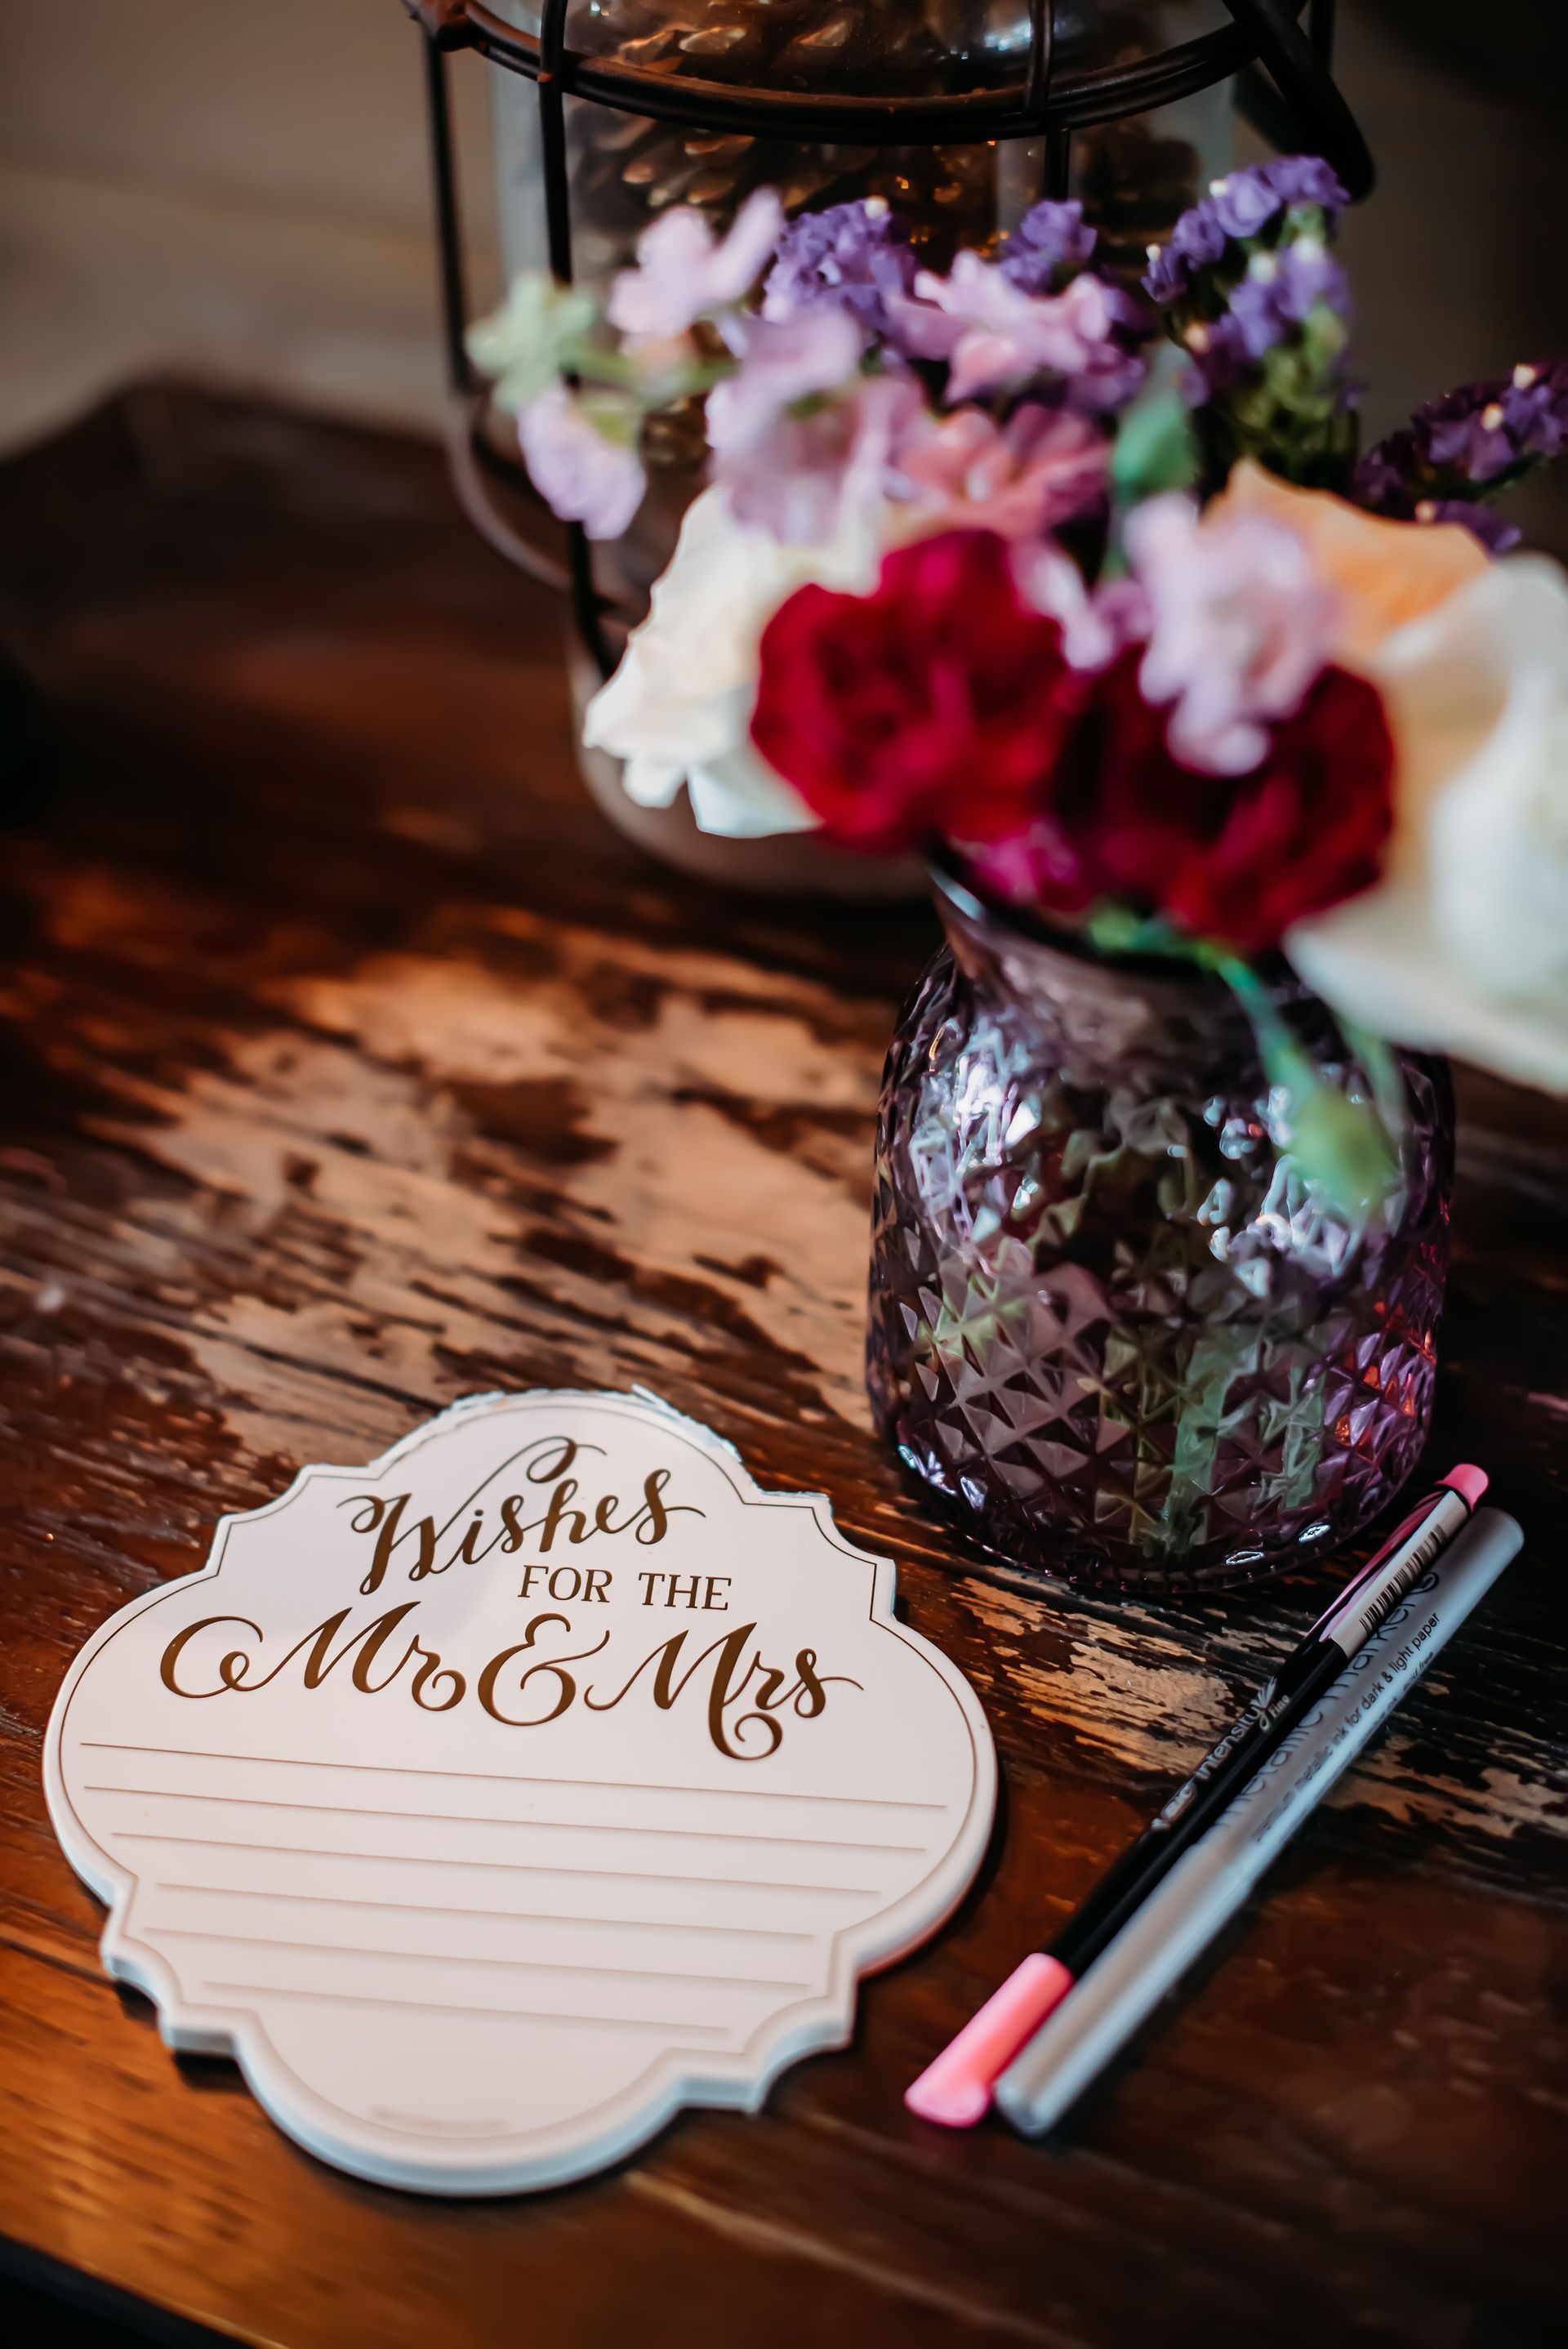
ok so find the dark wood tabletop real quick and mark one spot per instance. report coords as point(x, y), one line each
point(351, 1064)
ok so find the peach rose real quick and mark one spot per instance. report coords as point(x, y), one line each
point(1385, 572)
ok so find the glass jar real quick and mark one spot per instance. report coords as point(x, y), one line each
point(1134, 176)
point(1113, 1330)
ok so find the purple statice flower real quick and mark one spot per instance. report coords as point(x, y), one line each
point(1244, 201)
point(1381, 483)
point(1048, 245)
point(1305, 180)
point(1280, 291)
point(1467, 443)
point(1220, 359)
point(685, 273)
point(995, 336)
point(1267, 362)
point(582, 473)
point(1021, 479)
point(1466, 434)
point(1535, 405)
point(1487, 430)
point(1237, 209)
point(1278, 294)
point(851, 257)
point(1197, 242)
point(1481, 521)
point(814, 472)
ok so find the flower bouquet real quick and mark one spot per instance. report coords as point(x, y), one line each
point(1240, 763)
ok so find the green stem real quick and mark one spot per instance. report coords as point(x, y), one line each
point(1349, 1149)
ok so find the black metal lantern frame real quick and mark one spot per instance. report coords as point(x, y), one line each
point(1284, 88)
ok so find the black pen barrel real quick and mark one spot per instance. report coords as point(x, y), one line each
point(1217, 1780)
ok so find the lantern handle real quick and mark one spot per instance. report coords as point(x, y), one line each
point(1321, 123)
point(443, 22)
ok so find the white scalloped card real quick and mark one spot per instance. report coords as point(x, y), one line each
point(492, 1802)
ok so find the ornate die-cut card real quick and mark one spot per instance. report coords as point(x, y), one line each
point(489, 1803)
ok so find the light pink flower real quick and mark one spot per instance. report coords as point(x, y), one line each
point(1021, 479)
point(993, 333)
point(1239, 627)
point(685, 273)
point(1097, 622)
point(580, 474)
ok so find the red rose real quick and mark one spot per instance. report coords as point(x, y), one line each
point(937, 704)
point(1233, 857)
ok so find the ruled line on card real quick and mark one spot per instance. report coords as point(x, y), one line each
point(474, 1819)
point(501, 1867)
point(505, 1778)
point(446, 1958)
point(660, 2023)
point(518, 1916)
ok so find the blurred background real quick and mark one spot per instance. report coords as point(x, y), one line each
point(239, 193)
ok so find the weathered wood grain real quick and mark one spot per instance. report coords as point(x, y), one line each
point(351, 1065)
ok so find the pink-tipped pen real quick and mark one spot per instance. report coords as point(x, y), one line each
point(1468, 1482)
point(957, 2088)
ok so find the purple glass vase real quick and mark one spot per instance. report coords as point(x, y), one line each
point(1114, 1329)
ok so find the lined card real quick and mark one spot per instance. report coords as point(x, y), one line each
point(492, 1801)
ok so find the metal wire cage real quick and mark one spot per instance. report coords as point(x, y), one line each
point(1278, 52)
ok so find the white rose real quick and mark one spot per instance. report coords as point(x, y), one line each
point(1463, 945)
point(678, 708)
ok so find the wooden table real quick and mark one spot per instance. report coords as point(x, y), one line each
point(351, 1064)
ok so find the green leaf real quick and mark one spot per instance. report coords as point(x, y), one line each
point(537, 335)
point(1154, 450)
point(1341, 1145)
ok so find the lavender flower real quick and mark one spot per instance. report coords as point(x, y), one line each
point(818, 471)
point(782, 360)
point(994, 336)
point(684, 273)
point(802, 441)
point(852, 256)
point(1049, 243)
point(581, 454)
point(1466, 445)
point(1237, 210)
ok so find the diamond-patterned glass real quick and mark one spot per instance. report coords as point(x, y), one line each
point(1112, 1326)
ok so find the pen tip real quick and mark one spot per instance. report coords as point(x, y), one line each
point(957, 2103)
